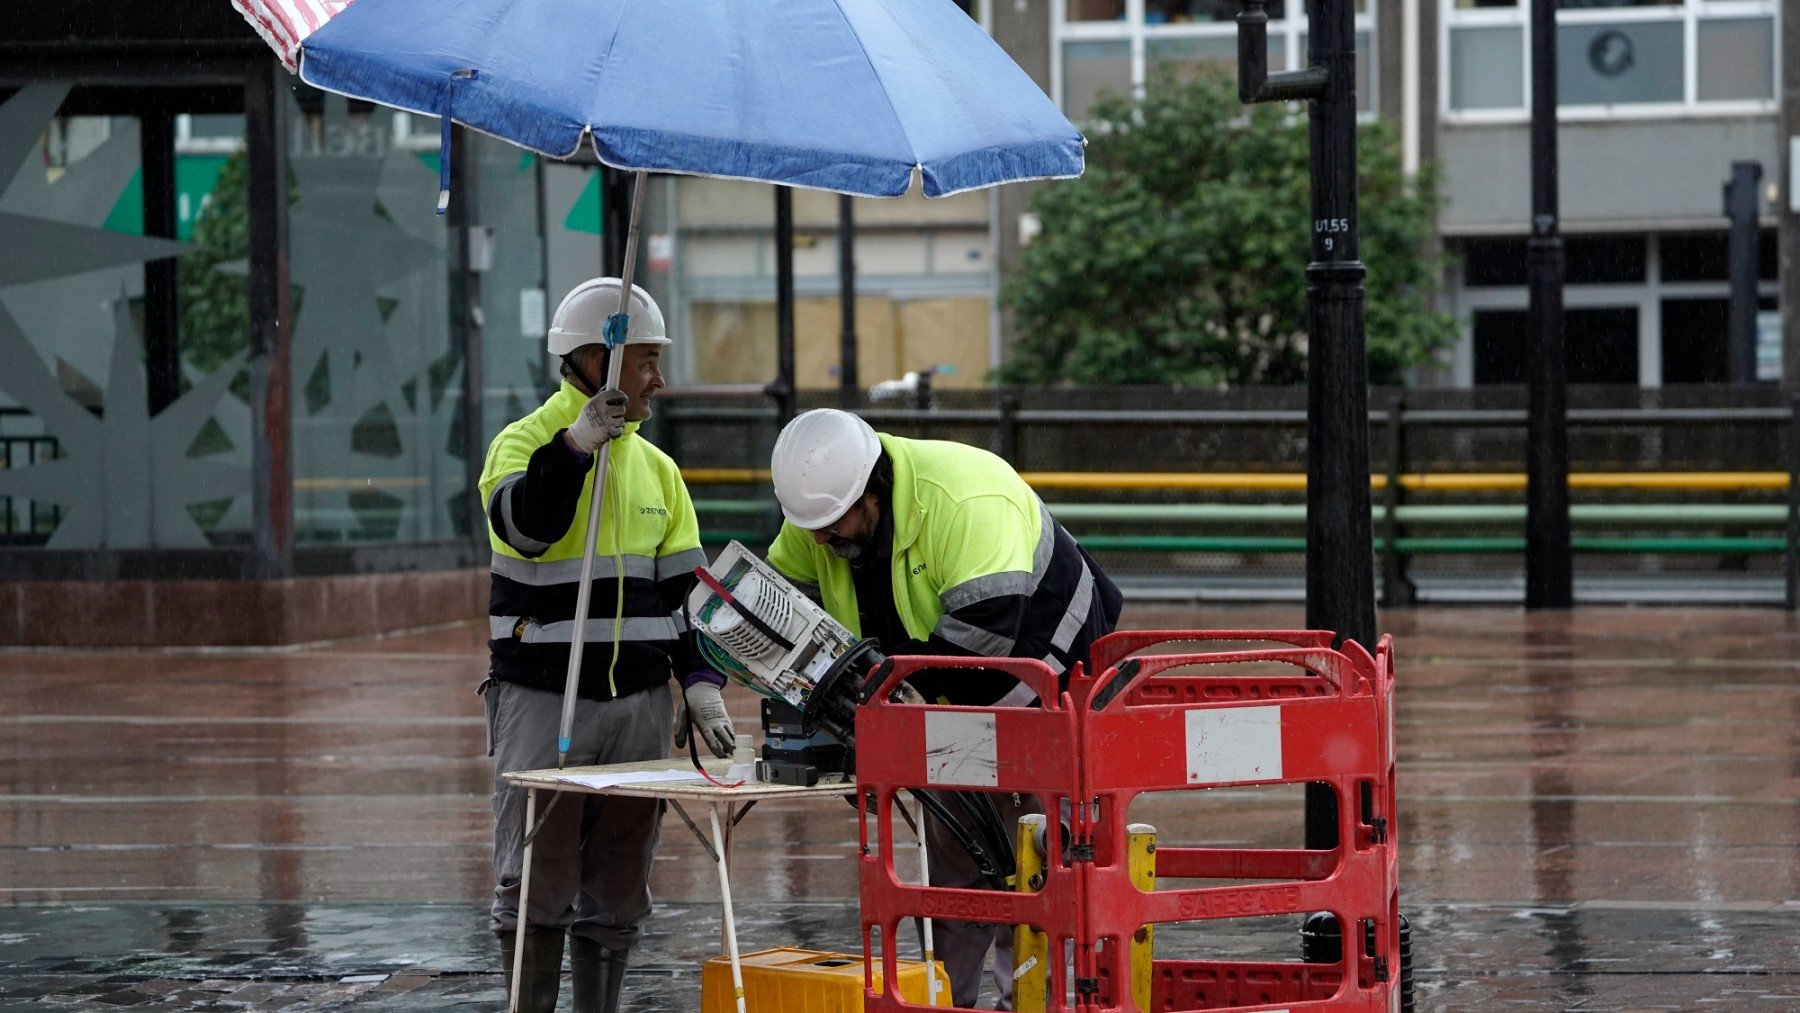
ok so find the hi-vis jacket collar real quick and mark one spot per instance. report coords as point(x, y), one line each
point(567, 402)
point(909, 514)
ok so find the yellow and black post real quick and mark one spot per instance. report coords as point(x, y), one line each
point(1140, 864)
point(1031, 948)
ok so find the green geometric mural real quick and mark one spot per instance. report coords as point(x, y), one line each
point(585, 215)
point(195, 177)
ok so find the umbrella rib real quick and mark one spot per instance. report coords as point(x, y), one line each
point(593, 129)
point(911, 147)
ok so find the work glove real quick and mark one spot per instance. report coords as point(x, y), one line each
point(702, 706)
point(601, 419)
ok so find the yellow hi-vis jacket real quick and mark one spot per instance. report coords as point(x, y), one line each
point(537, 491)
point(976, 566)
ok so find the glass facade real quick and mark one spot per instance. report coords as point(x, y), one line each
point(1737, 59)
point(376, 373)
point(1617, 63)
point(515, 308)
point(1188, 55)
point(128, 399)
point(1655, 55)
point(1646, 309)
point(1487, 68)
point(1091, 67)
point(1116, 45)
point(123, 329)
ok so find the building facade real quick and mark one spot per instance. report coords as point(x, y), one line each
point(1657, 101)
point(245, 372)
point(246, 376)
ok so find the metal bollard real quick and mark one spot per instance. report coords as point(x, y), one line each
point(1031, 948)
point(1321, 943)
point(1140, 857)
point(1406, 965)
point(1320, 940)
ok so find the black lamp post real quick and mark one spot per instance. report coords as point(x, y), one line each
point(848, 384)
point(1340, 566)
point(783, 389)
point(1743, 204)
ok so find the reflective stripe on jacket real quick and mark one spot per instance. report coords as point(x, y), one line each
point(978, 567)
point(536, 491)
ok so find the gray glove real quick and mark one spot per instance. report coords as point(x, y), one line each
point(702, 703)
point(601, 419)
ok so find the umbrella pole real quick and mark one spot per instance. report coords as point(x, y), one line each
point(584, 591)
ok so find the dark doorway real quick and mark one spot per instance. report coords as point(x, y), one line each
point(1693, 341)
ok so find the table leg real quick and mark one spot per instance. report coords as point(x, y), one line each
point(931, 982)
point(512, 1001)
point(731, 945)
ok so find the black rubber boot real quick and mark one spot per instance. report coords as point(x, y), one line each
point(541, 975)
point(598, 974)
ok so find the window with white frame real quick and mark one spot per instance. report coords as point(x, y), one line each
point(1650, 57)
point(1117, 44)
point(1643, 308)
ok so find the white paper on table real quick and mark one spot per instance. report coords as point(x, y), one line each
point(635, 777)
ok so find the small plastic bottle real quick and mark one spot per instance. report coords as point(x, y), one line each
point(743, 759)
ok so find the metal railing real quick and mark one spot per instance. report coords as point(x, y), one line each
point(1175, 480)
point(1734, 529)
point(1396, 421)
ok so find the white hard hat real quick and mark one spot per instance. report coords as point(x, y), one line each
point(821, 465)
point(581, 318)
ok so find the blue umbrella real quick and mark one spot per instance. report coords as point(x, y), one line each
point(846, 95)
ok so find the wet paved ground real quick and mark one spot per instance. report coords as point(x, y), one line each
point(1600, 811)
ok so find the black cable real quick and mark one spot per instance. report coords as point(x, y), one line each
point(741, 609)
point(984, 864)
point(907, 816)
point(984, 816)
point(693, 740)
point(984, 819)
point(931, 803)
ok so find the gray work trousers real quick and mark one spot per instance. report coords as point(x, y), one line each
point(590, 865)
point(963, 946)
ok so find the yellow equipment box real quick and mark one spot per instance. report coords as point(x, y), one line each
point(791, 980)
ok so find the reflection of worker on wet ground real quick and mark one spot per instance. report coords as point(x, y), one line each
point(937, 548)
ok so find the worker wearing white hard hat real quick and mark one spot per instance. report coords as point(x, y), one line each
point(578, 336)
point(591, 859)
point(938, 548)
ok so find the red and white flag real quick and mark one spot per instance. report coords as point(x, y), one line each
point(284, 24)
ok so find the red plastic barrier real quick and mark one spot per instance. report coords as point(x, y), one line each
point(1147, 727)
point(1146, 723)
point(1116, 647)
point(1023, 750)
